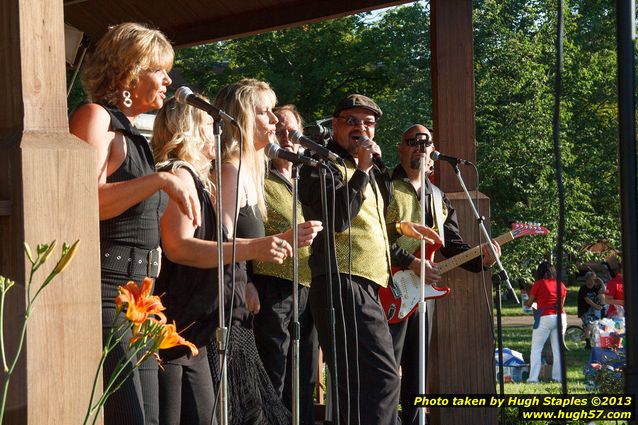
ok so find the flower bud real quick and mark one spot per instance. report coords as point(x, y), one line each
point(66, 257)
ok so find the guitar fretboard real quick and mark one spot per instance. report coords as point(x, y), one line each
point(451, 263)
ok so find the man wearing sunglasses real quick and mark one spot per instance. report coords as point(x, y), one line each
point(368, 381)
point(406, 205)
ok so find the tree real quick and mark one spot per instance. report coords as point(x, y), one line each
point(515, 49)
point(313, 66)
point(388, 59)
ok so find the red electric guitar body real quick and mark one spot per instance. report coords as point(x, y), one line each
point(400, 299)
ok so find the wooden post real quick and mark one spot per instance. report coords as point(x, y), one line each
point(48, 191)
point(461, 355)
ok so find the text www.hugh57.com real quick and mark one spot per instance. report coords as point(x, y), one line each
point(574, 415)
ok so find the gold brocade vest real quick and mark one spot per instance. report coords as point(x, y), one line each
point(405, 205)
point(370, 248)
point(278, 196)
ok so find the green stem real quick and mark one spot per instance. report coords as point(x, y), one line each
point(108, 346)
point(111, 386)
point(33, 269)
point(44, 285)
point(5, 391)
point(7, 374)
point(23, 332)
point(4, 355)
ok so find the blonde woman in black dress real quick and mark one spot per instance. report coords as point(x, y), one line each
point(251, 103)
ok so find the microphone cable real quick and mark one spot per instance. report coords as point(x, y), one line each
point(352, 303)
point(481, 242)
point(233, 257)
point(339, 288)
point(490, 314)
point(561, 190)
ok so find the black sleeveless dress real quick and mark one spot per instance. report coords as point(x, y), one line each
point(191, 300)
point(126, 250)
point(252, 398)
point(190, 294)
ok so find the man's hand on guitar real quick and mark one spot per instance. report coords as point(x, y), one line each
point(419, 231)
point(488, 258)
point(431, 270)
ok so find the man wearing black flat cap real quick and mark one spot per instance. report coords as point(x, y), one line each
point(368, 381)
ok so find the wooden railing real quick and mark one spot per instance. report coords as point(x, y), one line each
point(5, 208)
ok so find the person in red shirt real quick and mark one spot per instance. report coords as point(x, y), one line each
point(615, 293)
point(544, 293)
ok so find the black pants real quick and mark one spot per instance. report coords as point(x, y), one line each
point(273, 339)
point(137, 400)
point(368, 380)
point(186, 390)
point(405, 337)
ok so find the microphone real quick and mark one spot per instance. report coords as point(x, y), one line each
point(273, 151)
point(317, 132)
point(376, 158)
point(438, 156)
point(184, 95)
point(323, 152)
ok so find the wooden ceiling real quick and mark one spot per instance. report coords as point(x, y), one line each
point(190, 22)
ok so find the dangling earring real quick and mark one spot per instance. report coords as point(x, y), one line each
point(128, 102)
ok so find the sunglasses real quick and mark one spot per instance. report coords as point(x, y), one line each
point(418, 142)
point(353, 122)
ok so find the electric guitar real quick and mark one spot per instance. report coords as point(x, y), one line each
point(399, 300)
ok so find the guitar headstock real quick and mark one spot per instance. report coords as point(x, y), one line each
point(526, 229)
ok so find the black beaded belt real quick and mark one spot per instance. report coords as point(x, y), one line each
point(131, 260)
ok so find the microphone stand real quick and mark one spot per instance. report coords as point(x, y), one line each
point(295, 297)
point(501, 276)
point(496, 281)
point(331, 310)
point(222, 331)
point(422, 302)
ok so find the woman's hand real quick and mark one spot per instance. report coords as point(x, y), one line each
point(419, 231)
point(187, 203)
point(252, 298)
point(307, 231)
point(272, 249)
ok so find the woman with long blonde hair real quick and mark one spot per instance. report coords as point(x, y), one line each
point(183, 145)
point(243, 167)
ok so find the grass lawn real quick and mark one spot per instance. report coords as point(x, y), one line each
point(519, 339)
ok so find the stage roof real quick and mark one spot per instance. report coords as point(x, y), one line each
point(190, 22)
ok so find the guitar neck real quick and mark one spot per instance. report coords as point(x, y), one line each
point(470, 254)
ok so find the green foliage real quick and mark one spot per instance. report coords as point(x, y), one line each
point(313, 66)
point(388, 59)
point(515, 71)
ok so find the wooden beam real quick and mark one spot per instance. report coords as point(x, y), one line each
point(461, 354)
point(49, 179)
point(196, 22)
point(6, 207)
point(271, 19)
point(453, 87)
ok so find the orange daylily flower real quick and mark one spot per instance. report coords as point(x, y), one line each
point(171, 338)
point(141, 304)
